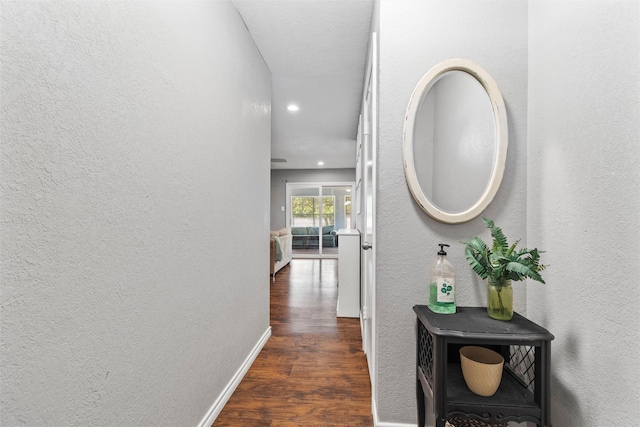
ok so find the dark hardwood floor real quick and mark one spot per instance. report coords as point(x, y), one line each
point(312, 371)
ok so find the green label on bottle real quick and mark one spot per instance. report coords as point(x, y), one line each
point(446, 289)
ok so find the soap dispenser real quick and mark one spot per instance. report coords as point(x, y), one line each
point(442, 286)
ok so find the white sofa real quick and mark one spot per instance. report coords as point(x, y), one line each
point(284, 238)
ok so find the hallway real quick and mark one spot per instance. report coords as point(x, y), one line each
point(312, 371)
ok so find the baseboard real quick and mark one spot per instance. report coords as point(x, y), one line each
point(224, 397)
point(378, 423)
point(381, 424)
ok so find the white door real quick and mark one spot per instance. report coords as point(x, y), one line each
point(367, 157)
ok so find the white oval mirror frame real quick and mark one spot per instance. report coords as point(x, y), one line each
point(501, 143)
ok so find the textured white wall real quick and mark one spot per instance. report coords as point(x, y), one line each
point(584, 204)
point(135, 147)
point(414, 36)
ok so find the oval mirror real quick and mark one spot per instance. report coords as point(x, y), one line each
point(455, 141)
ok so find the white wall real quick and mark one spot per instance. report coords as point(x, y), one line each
point(584, 203)
point(134, 277)
point(414, 36)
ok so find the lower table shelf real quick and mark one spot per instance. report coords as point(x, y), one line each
point(511, 399)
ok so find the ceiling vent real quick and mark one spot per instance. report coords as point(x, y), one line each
point(278, 160)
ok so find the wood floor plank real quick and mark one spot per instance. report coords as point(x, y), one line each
point(312, 371)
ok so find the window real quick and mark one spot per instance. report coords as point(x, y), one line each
point(347, 211)
point(305, 211)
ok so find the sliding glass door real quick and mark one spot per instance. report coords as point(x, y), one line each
point(316, 211)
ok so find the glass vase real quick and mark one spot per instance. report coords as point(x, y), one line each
point(500, 299)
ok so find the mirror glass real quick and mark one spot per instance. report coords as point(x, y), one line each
point(455, 141)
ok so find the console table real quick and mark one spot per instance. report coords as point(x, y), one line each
point(523, 394)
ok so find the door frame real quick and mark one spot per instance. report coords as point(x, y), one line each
point(367, 158)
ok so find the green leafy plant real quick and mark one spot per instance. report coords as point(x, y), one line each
point(500, 261)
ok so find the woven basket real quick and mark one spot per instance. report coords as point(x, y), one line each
point(462, 422)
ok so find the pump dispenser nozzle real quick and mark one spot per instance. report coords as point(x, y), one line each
point(442, 245)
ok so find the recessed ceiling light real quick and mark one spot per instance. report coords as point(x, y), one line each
point(320, 163)
point(293, 107)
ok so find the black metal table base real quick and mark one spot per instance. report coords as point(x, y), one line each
point(523, 394)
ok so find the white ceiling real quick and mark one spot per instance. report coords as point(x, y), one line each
point(316, 51)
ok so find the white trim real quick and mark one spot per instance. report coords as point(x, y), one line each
point(377, 423)
point(224, 397)
point(374, 191)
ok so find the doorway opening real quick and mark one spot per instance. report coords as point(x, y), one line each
point(316, 211)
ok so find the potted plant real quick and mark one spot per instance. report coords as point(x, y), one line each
point(500, 264)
